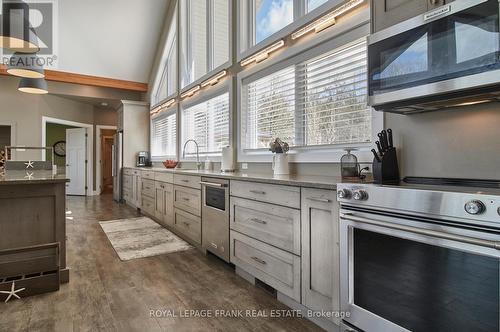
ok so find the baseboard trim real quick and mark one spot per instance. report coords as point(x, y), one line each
point(245, 275)
point(321, 322)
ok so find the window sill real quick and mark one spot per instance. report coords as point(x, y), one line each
point(308, 155)
point(159, 159)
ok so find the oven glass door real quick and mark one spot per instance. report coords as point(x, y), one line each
point(457, 45)
point(402, 281)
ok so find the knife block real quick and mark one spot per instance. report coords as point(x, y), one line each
point(386, 170)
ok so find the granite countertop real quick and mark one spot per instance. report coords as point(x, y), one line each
point(310, 181)
point(31, 177)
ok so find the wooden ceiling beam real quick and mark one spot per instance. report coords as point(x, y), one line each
point(104, 82)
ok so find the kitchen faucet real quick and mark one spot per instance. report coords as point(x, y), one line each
point(198, 164)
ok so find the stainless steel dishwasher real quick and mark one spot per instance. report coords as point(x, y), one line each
point(215, 216)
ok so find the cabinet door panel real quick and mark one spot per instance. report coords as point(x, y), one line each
point(169, 204)
point(320, 251)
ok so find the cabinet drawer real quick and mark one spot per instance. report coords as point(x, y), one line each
point(128, 171)
point(148, 205)
point(269, 193)
point(188, 224)
point(275, 267)
point(187, 181)
point(188, 199)
point(272, 224)
point(168, 187)
point(148, 175)
point(127, 181)
point(164, 177)
point(148, 187)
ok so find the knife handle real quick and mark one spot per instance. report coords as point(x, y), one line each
point(381, 140)
point(385, 142)
point(389, 135)
point(379, 148)
point(376, 155)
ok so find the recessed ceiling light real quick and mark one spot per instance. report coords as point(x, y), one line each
point(104, 104)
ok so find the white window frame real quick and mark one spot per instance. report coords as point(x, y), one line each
point(309, 154)
point(163, 114)
point(171, 41)
point(245, 45)
point(219, 89)
point(209, 54)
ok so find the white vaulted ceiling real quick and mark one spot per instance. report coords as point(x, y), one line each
point(110, 38)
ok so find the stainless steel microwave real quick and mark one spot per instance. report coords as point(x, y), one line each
point(447, 57)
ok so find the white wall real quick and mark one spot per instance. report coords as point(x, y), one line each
point(111, 38)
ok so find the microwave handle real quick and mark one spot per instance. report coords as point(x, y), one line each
point(483, 243)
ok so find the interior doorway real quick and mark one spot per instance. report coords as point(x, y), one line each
point(78, 153)
point(107, 141)
point(104, 158)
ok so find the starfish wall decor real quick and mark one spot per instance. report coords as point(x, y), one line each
point(30, 164)
point(13, 292)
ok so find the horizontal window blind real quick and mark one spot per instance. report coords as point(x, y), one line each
point(334, 99)
point(208, 124)
point(322, 101)
point(163, 135)
point(269, 110)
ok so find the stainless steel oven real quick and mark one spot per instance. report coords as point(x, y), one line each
point(451, 53)
point(215, 216)
point(418, 260)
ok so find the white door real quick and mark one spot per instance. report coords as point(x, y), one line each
point(76, 155)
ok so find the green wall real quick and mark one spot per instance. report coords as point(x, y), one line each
point(54, 133)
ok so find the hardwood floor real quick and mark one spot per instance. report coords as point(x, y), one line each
point(106, 294)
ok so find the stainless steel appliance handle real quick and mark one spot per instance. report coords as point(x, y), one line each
point(318, 199)
point(212, 184)
point(483, 243)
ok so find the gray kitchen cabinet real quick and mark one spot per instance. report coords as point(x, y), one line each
point(132, 187)
point(277, 268)
point(386, 13)
point(164, 203)
point(277, 225)
point(188, 225)
point(320, 250)
point(136, 189)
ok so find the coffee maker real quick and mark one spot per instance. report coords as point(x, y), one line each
point(142, 159)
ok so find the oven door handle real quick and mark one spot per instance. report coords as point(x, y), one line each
point(470, 240)
point(212, 184)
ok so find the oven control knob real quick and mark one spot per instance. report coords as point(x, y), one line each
point(360, 195)
point(475, 207)
point(344, 193)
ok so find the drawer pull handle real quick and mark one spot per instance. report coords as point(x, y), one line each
point(184, 180)
point(318, 199)
point(258, 192)
point(214, 245)
point(186, 223)
point(259, 221)
point(258, 260)
point(186, 199)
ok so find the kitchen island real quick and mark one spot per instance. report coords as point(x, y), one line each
point(32, 223)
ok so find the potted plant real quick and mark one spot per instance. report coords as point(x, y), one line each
point(280, 158)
